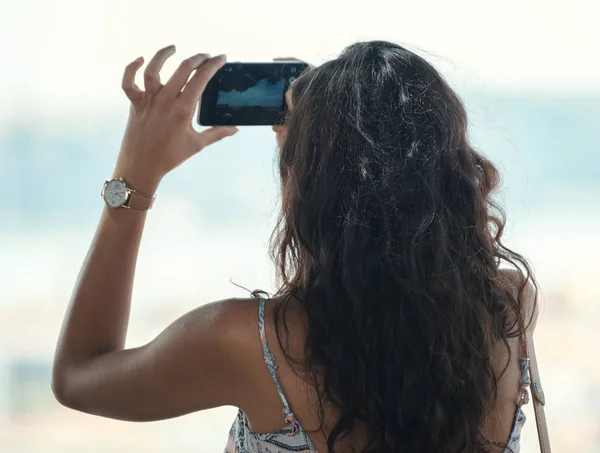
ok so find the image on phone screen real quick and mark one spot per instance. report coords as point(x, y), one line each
point(248, 93)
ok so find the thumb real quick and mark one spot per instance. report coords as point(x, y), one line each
point(213, 135)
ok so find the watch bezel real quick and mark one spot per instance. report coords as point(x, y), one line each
point(120, 182)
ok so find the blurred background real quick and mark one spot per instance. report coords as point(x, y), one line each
point(528, 71)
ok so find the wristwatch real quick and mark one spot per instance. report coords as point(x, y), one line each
point(117, 194)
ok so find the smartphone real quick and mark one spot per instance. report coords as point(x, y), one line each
point(248, 94)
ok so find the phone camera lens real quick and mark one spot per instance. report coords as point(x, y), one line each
point(291, 80)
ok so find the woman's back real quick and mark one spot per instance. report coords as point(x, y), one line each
point(283, 392)
point(394, 328)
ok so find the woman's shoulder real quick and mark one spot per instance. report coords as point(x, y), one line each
point(518, 283)
point(235, 311)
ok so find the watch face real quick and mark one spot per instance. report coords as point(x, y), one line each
point(115, 193)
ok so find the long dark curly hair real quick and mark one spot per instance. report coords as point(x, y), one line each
point(390, 241)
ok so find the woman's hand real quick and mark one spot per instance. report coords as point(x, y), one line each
point(281, 131)
point(159, 134)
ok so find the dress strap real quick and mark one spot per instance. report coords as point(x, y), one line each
point(530, 367)
point(539, 400)
point(270, 361)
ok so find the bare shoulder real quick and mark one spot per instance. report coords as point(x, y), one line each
point(229, 323)
point(215, 353)
point(238, 342)
point(236, 315)
point(232, 325)
point(505, 360)
point(202, 360)
point(515, 281)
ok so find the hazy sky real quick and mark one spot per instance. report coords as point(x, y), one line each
point(61, 54)
point(64, 59)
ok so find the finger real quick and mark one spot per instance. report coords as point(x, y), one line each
point(179, 78)
point(132, 91)
point(152, 72)
point(213, 135)
point(194, 88)
point(294, 59)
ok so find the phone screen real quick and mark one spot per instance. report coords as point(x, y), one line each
point(248, 94)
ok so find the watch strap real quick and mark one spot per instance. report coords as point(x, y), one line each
point(139, 201)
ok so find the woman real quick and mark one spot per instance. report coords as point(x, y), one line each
point(394, 328)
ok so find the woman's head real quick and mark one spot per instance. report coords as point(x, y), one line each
point(389, 239)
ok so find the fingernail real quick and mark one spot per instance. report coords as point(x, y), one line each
point(222, 57)
point(138, 60)
point(171, 48)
